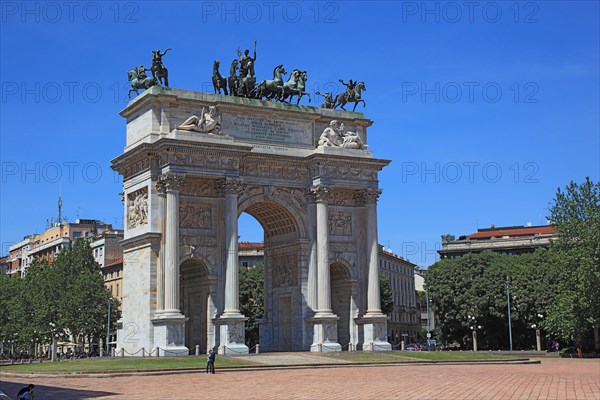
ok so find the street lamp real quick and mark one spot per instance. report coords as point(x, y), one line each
point(474, 327)
point(108, 331)
point(54, 336)
point(538, 335)
point(508, 306)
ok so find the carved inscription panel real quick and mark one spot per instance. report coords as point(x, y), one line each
point(275, 130)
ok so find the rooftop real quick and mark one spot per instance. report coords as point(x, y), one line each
point(511, 231)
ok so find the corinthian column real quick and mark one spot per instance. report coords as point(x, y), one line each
point(232, 298)
point(172, 184)
point(162, 220)
point(373, 295)
point(231, 322)
point(324, 285)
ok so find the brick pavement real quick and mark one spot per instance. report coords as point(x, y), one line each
point(553, 379)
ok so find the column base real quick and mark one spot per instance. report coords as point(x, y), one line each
point(169, 334)
point(233, 334)
point(325, 333)
point(375, 333)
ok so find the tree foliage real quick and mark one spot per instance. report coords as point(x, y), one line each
point(251, 289)
point(555, 290)
point(386, 294)
point(576, 213)
point(65, 298)
point(471, 291)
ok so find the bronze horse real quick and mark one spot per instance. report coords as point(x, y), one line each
point(353, 97)
point(268, 88)
point(218, 81)
point(233, 78)
point(139, 80)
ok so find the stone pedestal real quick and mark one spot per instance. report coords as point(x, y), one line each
point(375, 333)
point(325, 335)
point(169, 335)
point(231, 328)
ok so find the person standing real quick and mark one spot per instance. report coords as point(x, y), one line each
point(210, 362)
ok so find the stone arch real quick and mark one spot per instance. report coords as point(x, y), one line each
point(341, 300)
point(276, 216)
point(284, 230)
point(196, 288)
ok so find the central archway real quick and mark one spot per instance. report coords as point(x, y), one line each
point(282, 325)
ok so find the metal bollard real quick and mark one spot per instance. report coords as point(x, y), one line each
point(197, 349)
point(113, 352)
point(257, 348)
point(320, 347)
point(143, 352)
point(122, 351)
point(157, 351)
point(402, 345)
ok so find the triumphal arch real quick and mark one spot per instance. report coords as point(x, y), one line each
point(193, 162)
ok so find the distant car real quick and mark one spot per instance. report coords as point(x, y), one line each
point(413, 347)
point(428, 346)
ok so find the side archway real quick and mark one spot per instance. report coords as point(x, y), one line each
point(195, 285)
point(341, 300)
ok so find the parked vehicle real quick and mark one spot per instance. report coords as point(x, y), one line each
point(413, 347)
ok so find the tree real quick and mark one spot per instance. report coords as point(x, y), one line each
point(576, 214)
point(447, 238)
point(86, 306)
point(470, 292)
point(60, 298)
point(251, 287)
point(386, 294)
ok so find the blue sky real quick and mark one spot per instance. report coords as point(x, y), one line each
point(484, 108)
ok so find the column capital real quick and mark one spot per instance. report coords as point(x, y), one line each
point(161, 187)
point(169, 181)
point(320, 193)
point(369, 196)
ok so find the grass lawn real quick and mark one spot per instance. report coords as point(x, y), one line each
point(125, 364)
point(395, 356)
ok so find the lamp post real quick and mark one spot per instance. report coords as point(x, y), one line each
point(54, 337)
point(538, 335)
point(474, 327)
point(428, 321)
point(108, 331)
point(508, 306)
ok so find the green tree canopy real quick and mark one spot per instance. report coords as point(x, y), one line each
point(576, 260)
point(62, 298)
point(386, 294)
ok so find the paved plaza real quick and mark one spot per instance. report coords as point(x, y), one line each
point(552, 379)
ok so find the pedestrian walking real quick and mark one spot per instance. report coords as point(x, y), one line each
point(210, 362)
point(26, 393)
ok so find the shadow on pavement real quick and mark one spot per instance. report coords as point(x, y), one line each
point(44, 392)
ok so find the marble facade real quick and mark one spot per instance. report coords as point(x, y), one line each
point(184, 191)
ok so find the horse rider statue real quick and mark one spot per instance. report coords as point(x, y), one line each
point(158, 68)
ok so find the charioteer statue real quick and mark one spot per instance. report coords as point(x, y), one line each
point(245, 60)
